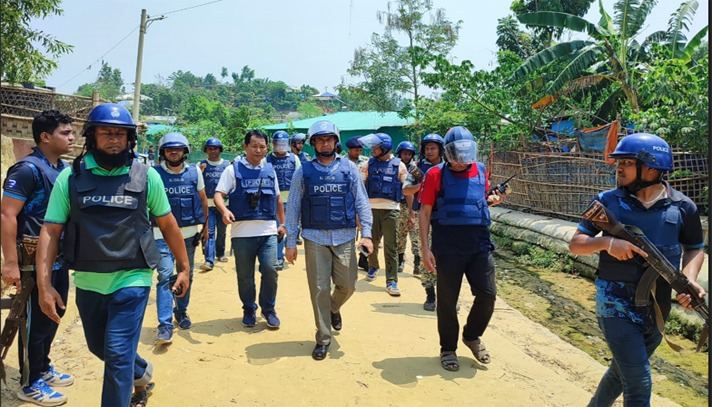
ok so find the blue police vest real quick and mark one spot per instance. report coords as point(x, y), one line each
point(303, 157)
point(211, 176)
point(383, 179)
point(461, 201)
point(254, 196)
point(31, 223)
point(182, 191)
point(284, 167)
point(108, 228)
point(661, 225)
point(328, 201)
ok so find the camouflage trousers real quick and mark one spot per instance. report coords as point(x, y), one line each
point(427, 279)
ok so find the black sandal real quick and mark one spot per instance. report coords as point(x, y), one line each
point(448, 360)
point(141, 398)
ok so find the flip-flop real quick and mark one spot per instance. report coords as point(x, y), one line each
point(478, 350)
point(448, 360)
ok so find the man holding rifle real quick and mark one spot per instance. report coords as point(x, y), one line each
point(24, 203)
point(670, 220)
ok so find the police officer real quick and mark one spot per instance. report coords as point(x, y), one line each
point(24, 204)
point(384, 175)
point(251, 185)
point(672, 223)
point(297, 143)
point(454, 200)
point(407, 222)
point(212, 168)
point(328, 195)
point(432, 150)
point(284, 163)
point(102, 204)
point(185, 188)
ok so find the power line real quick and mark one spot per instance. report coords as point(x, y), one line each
point(101, 57)
point(192, 7)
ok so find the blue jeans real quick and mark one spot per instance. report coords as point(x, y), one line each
point(164, 296)
point(247, 250)
point(629, 372)
point(112, 327)
point(215, 246)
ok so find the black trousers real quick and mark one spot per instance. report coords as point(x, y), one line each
point(479, 271)
point(41, 329)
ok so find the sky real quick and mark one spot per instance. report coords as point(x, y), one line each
point(307, 42)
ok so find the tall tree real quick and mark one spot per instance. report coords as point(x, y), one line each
point(545, 35)
point(28, 54)
point(389, 68)
point(613, 55)
point(109, 83)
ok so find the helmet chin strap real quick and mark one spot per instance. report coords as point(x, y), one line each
point(326, 153)
point(175, 163)
point(639, 184)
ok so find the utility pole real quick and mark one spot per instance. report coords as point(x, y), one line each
point(139, 60)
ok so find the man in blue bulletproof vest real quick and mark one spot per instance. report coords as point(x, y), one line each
point(671, 221)
point(102, 205)
point(328, 195)
point(454, 200)
point(432, 151)
point(284, 163)
point(185, 188)
point(251, 185)
point(297, 143)
point(384, 175)
point(24, 203)
point(212, 169)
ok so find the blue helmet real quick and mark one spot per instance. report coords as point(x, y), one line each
point(460, 146)
point(378, 139)
point(405, 146)
point(432, 138)
point(172, 140)
point(110, 115)
point(212, 142)
point(297, 137)
point(322, 128)
point(650, 149)
point(280, 135)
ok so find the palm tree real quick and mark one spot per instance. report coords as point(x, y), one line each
point(612, 53)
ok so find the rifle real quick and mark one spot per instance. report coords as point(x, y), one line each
point(17, 318)
point(658, 265)
point(501, 187)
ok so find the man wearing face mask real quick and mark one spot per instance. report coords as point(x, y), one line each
point(384, 175)
point(455, 201)
point(102, 205)
point(284, 163)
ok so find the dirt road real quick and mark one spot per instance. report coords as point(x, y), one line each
point(386, 354)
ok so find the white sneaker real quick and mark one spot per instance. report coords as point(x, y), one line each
point(41, 394)
point(206, 266)
point(57, 379)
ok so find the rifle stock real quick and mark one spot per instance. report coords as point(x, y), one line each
point(15, 319)
point(603, 219)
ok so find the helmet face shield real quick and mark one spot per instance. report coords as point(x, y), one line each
point(461, 151)
point(280, 145)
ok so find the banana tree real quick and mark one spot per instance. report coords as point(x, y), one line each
point(611, 54)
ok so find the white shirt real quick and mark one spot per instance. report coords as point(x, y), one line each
point(246, 228)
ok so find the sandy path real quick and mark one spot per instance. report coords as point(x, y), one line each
point(386, 354)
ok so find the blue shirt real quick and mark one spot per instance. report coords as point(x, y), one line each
point(331, 237)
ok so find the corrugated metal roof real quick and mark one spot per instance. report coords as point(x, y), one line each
point(350, 121)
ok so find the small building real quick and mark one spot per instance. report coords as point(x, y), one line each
point(353, 124)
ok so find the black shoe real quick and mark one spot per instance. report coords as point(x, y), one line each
point(362, 262)
point(336, 321)
point(319, 352)
point(401, 262)
point(429, 304)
